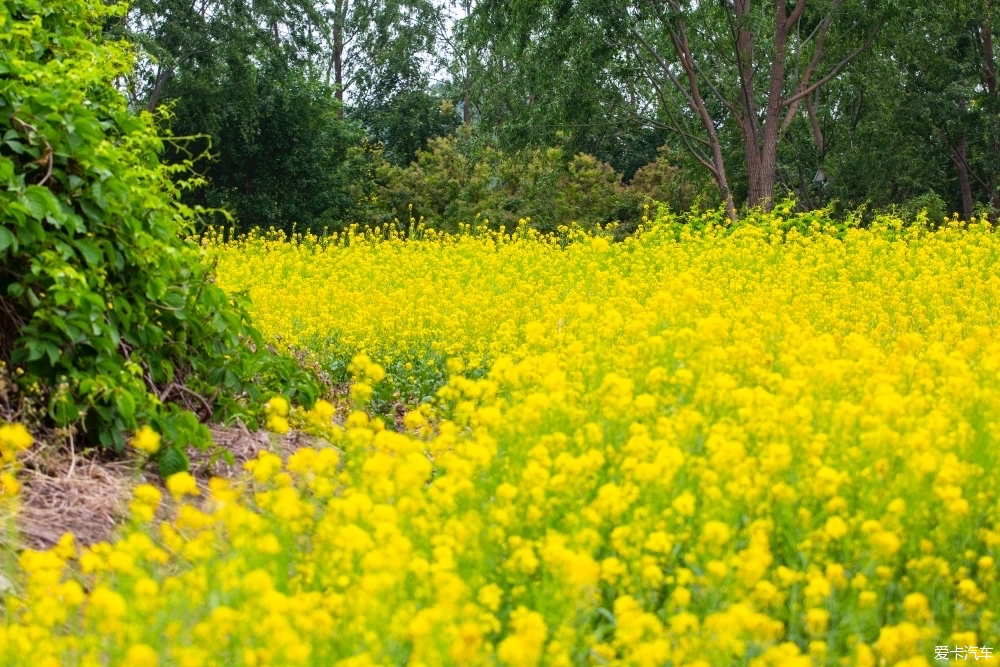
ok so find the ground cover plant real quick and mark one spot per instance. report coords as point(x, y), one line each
point(764, 444)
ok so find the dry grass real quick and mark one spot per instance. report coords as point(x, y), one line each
point(87, 501)
point(88, 495)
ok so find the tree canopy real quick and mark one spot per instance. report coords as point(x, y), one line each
point(878, 102)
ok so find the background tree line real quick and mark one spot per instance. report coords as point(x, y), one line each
point(328, 113)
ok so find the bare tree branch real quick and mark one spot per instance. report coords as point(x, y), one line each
point(823, 28)
point(834, 72)
point(663, 65)
point(729, 105)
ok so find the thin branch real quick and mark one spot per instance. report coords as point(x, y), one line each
point(174, 386)
point(665, 104)
point(834, 72)
point(677, 127)
point(824, 27)
point(960, 161)
point(711, 86)
point(663, 65)
point(686, 138)
point(814, 121)
point(681, 129)
point(46, 156)
point(743, 41)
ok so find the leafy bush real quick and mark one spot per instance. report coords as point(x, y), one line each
point(930, 203)
point(459, 179)
point(103, 303)
point(403, 123)
point(663, 180)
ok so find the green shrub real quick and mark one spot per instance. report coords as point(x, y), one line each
point(103, 303)
point(459, 179)
point(664, 181)
point(929, 203)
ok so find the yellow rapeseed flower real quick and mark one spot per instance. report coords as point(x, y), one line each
point(14, 437)
point(146, 440)
point(182, 484)
point(705, 445)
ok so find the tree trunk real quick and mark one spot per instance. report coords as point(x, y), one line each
point(338, 65)
point(338, 62)
point(961, 166)
point(776, 101)
point(723, 181)
point(763, 166)
point(760, 120)
point(988, 60)
point(162, 76)
point(717, 166)
point(761, 143)
point(762, 174)
point(989, 63)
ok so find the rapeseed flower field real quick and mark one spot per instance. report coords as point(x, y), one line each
point(775, 444)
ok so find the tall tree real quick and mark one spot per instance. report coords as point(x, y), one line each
point(716, 56)
point(284, 156)
point(704, 70)
point(523, 93)
point(376, 48)
point(458, 56)
point(258, 80)
point(919, 115)
point(189, 46)
point(991, 102)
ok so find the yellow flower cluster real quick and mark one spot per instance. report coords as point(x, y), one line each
point(277, 413)
point(775, 445)
point(146, 440)
point(14, 439)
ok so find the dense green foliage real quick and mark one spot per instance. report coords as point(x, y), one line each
point(460, 180)
point(104, 307)
point(923, 112)
point(905, 104)
point(404, 123)
point(261, 86)
point(854, 102)
point(283, 157)
point(241, 81)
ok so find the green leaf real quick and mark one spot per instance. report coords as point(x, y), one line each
point(171, 460)
point(7, 239)
point(155, 289)
point(89, 250)
point(125, 403)
point(39, 201)
point(6, 170)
